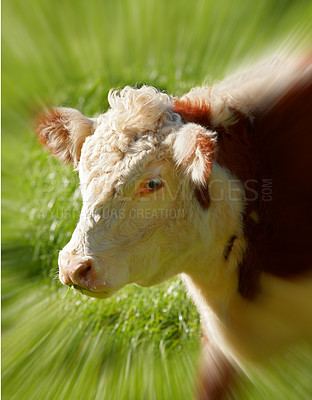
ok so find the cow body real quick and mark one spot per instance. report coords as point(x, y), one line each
point(215, 186)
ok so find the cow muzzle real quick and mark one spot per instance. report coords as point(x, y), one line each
point(77, 271)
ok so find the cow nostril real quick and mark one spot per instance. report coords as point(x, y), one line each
point(85, 270)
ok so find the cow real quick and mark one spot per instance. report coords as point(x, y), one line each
point(214, 186)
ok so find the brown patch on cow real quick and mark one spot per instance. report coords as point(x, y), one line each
point(193, 111)
point(52, 134)
point(279, 242)
point(285, 148)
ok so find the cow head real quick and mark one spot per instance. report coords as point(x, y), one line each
point(144, 177)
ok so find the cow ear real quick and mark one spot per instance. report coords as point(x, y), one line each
point(63, 131)
point(194, 150)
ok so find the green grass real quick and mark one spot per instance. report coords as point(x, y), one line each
point(141, 343)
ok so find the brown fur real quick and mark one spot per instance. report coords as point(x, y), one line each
point(192, 112)
point(285, 143)
point(276, 147)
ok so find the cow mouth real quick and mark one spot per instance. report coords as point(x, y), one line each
point(91, 293)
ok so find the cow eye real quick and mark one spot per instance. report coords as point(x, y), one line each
point(149, 186)
point(154, 184)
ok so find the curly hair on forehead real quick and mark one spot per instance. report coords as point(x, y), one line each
point(143, 109)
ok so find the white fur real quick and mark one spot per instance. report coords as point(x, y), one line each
point(186, 151)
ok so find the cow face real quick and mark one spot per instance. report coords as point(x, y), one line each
point(140, 170)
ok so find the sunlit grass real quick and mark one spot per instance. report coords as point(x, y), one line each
point(75, 347)
point(141, 343)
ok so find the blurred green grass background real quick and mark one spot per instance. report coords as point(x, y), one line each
point(141, 343)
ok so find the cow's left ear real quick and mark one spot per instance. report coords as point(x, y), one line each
point(194, 150)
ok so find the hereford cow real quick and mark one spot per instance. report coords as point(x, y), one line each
point(215, 186)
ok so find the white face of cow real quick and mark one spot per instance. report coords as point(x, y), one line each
point(126, 228)
point(139, 168)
